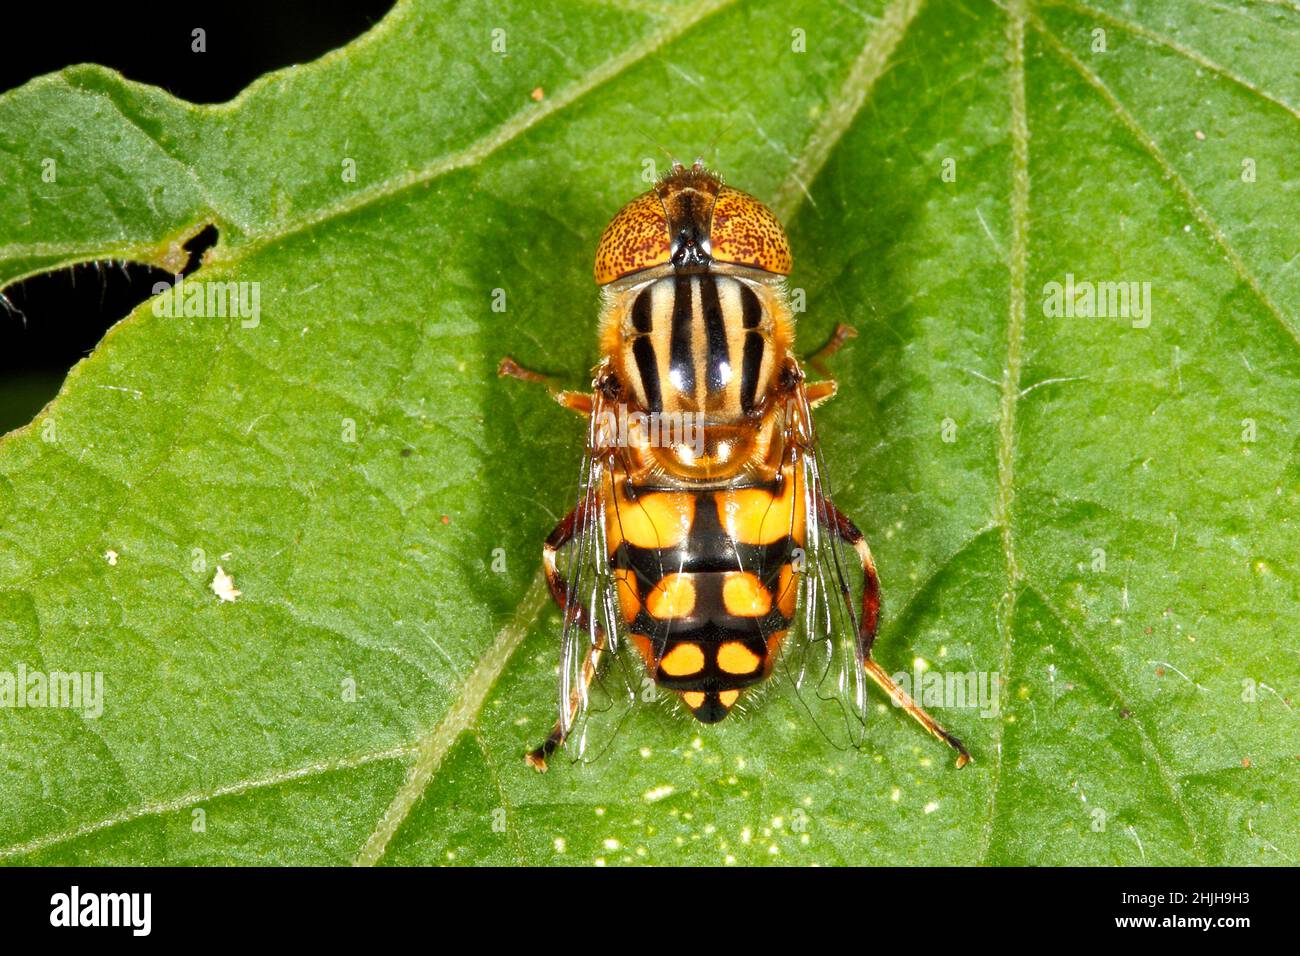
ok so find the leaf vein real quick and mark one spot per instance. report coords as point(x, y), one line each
point(188, 800)
point(435, 744)
point(1181, 186)
point(1017, 264)
point(1195, 56)
point(1167, 775)
point(866, 70)
point(506, 133)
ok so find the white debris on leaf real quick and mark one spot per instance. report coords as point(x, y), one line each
point(223, 586)
point(111, 557)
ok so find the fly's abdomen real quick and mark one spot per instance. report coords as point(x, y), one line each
point(707, 583)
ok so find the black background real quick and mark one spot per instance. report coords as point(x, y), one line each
point(49, 322)
point(916, 910)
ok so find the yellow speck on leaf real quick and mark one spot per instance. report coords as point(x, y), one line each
point(223, 586)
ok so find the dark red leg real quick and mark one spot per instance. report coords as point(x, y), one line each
point(571, 525)
point(848, 532)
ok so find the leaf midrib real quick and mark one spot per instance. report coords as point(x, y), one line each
point(1017, 265)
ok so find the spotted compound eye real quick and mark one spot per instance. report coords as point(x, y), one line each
point(746, 233)
point(691, 208)
point(635, 239)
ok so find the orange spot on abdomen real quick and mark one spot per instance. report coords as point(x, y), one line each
point(757, 516)
point(735, 658)
point(744, 595)
point(774, 642)
point(683, 660)
point(658, 519)
point(629, 595)
point(787, 590)
point(673, 597)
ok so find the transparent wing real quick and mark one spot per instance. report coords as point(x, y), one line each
point(599, 680)
point(822, 659)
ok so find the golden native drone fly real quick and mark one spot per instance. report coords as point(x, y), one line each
point(704, 533)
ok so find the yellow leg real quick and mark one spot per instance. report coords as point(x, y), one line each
point(819, 392)
point(537, 757)
point(839, 337)
point(901, 698)
point(577, 402)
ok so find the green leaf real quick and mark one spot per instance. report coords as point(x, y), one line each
point(1111, 528)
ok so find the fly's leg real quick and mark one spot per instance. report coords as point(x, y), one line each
point(903, 700)
point(562, 535)
point(847, 531)
point(819, 393)
point(577, 402)
point(582, 404)
point(817, 360)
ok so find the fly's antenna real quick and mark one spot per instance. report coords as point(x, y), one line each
point(712, 150)
point(673, 162)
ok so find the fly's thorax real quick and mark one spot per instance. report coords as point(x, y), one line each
point(700, 353)
point(707, 342)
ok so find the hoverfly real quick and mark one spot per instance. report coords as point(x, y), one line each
point(704, 547)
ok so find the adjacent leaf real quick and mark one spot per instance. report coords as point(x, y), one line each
point(1100, 511)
